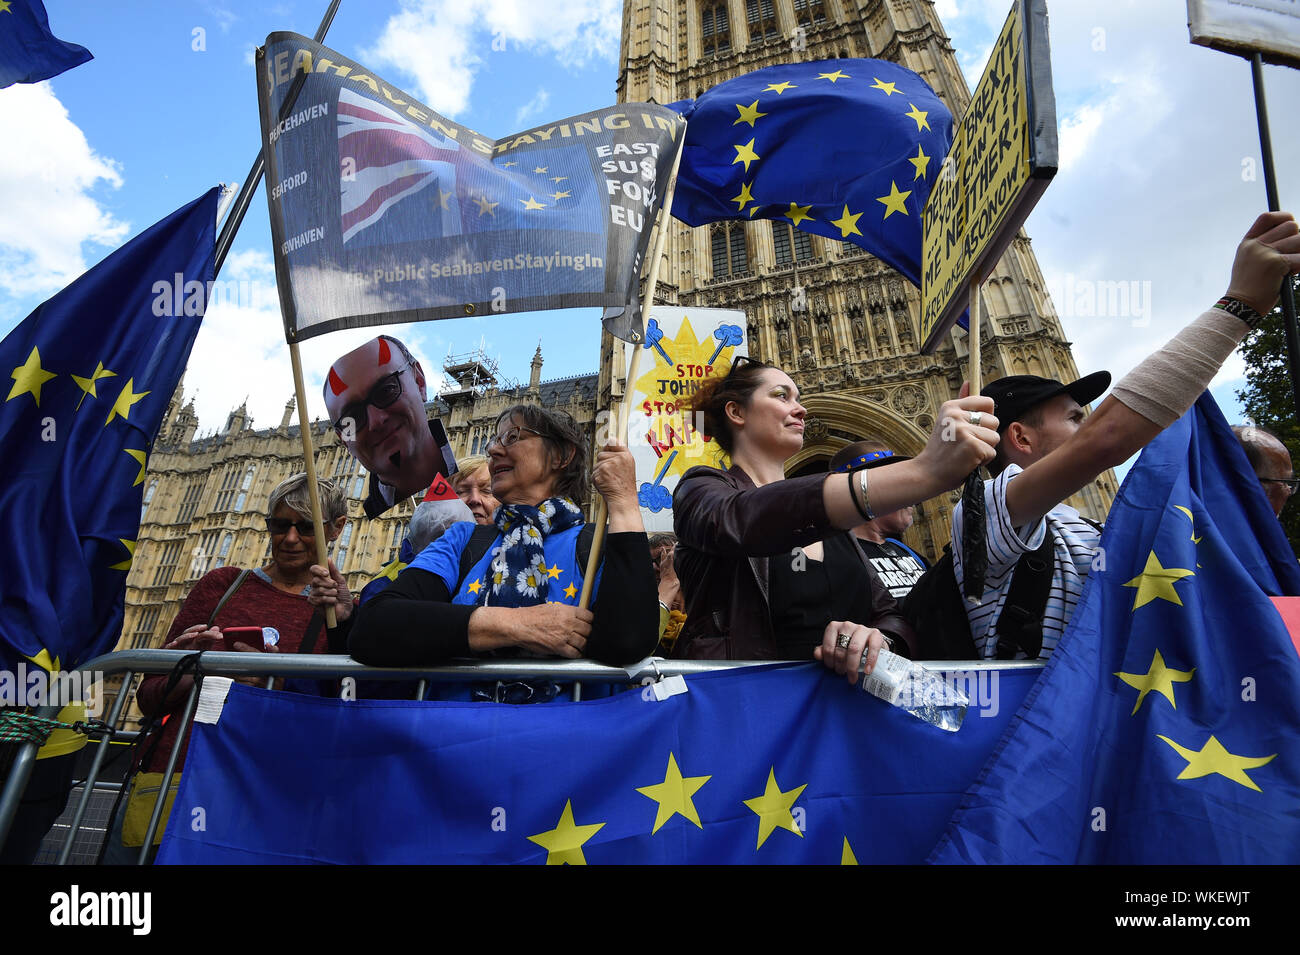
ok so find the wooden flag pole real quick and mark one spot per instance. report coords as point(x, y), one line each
point(647, 300)
point(976, 382)
point(309, 465)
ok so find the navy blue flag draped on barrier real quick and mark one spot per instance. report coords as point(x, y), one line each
point(383, 211)
point(90, 374)
point(29, 51)
point(846, 149)
point(1166, 728)
point(757, 765)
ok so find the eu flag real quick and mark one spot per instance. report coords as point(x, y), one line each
point(29, 51)
point(775, 764)
point(1166, 727)
point(90, 375)
point(846, 149)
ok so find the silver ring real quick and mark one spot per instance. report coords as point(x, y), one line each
point(975, 418)
point(842, 640)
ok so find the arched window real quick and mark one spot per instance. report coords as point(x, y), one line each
point(760, 15)
point(729, 251)
point(715, 29)
point(224, 552)
point(243, 488)
point(341, 548)
point(148, 496)
point(782, 235)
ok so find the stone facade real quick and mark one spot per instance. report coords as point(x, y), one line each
point(853, 348)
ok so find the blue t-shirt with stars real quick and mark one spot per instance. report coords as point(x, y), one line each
point(564, 575)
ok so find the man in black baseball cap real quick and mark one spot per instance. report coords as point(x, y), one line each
point(1036, 415)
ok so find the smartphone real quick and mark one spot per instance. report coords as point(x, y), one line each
point(250, 635)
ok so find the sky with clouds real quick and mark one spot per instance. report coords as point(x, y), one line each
point(1160, 164)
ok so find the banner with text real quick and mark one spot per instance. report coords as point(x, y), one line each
point(382, 211)
point(684, 349)
point(1002, 158)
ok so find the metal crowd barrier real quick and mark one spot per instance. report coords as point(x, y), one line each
point(331, 666)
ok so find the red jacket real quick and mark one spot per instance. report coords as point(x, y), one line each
point(726, 530)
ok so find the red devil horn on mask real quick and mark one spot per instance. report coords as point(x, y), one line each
point(385, 356)
point(337, 385)
point(440, 490)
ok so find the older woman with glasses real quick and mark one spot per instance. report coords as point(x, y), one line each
point(511, 588)
point(273, 597)
point(765, 565)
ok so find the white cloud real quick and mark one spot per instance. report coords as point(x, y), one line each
point(47, 179)
point(442, 44)
point(533, 107)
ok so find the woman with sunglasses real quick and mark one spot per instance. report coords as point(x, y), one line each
point(766, 564)
point(512, 588)
point(273, 597)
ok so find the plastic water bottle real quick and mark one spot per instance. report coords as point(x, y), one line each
point(915, 690)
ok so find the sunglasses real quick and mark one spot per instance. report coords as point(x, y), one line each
point(281, 525)
point(385, 392)
point(741, 360)
point(1292, 484)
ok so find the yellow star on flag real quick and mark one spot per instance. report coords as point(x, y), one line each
point(797, 213)
point(745, 196)
point(139, 455)
point(848, 223)
point(674, 795)
point(563, 844)
point(894, 201)
point(1213, 758)
point(511, 163)
point(553, 572)
point(921, 161)
point(127, 398)
point(846, 855)
point(1159, 678)
point(889, 88)
point(475, 586)
point(1156, 582)
point(87, 385)
point(391, 570)
point(130, 555)
point(540, 169)
point(837, 75)
point(920, 116)
point(442, 199)
point(570, 591)
point(748, 114)
point(485, 207)
point(745, 154)
point(1188, 512)
point(778, 88)
point(531, 203)
point(558, 178)
point(561, 195)
point(773, 808)
point(29, 376)
point(4, 6)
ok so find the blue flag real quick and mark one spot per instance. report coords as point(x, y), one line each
point(776, 764)
point(846, 149)
point(29, 52)
point(90, 374)
point(1166, 727)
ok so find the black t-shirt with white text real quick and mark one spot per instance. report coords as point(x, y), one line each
point(898, 568)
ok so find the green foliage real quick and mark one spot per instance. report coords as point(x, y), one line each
point(1269, 400)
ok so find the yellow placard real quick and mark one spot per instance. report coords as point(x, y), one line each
point(984, 177)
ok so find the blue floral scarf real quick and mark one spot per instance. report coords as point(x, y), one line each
point(518, 568)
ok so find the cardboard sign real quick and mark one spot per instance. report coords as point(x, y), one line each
point(1001, 160)
point(684, 348)
point(1271, 27)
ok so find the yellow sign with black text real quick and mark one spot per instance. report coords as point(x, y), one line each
point(1001, 158)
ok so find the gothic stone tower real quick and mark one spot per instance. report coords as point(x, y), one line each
point(854, 350)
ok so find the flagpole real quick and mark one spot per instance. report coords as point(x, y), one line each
point(974, 340)
point(309, 466)
point(1270, 190)
point(647, 300)
point(242, 201)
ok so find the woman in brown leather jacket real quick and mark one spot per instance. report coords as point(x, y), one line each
point(765, 566)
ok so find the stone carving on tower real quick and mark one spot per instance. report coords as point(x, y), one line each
point(853, 350)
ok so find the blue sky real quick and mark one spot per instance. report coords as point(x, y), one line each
point(1158, 152)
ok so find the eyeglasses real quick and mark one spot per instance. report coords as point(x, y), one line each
point(281, 525)
point(357, 414)
point(510, 437)
point(1292, 484)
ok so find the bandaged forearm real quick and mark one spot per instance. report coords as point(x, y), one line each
point(1167, 383)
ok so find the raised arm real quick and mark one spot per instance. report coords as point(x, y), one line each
point(1161, 389)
